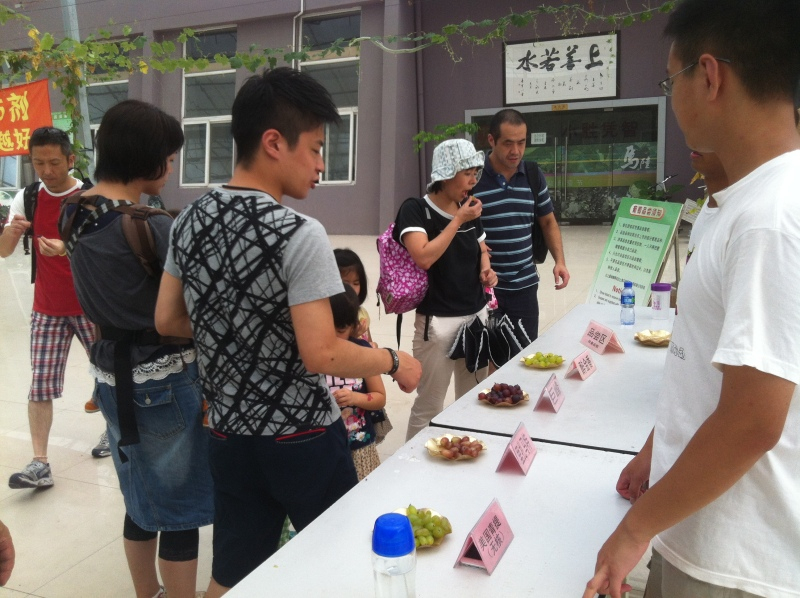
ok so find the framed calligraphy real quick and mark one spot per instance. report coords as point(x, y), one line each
point(561, 69)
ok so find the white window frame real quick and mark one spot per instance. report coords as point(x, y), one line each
point(351, 111)
point(204, 120)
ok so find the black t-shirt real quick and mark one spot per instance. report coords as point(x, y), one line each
point(454, 287)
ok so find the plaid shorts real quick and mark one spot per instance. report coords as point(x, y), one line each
point(51, 337)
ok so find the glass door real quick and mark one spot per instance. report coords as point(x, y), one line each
point(590, 157)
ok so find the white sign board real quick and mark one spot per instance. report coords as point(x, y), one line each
point(559, 70)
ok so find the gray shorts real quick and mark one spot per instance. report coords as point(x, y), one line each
point(667, 581)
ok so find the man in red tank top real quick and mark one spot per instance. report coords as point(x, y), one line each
point(57, 316)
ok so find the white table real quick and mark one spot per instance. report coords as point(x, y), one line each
point(614, 409)
point(561, 513)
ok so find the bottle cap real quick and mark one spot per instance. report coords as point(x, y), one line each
point(660, 286)
point(392, 535)
point(628, 284)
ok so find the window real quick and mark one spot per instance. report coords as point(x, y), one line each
point(101, 97)
point(339, 74)
point(207, 100)
point(9, 173)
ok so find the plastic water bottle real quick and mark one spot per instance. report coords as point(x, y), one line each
point(627, 316)
point(394, 557)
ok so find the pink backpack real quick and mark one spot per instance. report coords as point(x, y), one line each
point(401, 284)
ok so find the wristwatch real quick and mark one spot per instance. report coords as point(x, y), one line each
point(395, 361)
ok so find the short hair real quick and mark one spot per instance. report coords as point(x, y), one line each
point(51, 136)
point(348, 260)
point(345, 308)
point(506, 116)
point(283, 99)
point(134, 141)
point(435, 187)
point(759, 38)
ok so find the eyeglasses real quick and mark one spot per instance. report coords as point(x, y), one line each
point(666, 84)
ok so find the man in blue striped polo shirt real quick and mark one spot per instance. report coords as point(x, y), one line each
point(509, 208)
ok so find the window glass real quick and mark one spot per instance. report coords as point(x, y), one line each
point(339, 78)
point(211, 43)
point(221, 148)
point(209, 95)
point(320, 33)
point(337, 150)
point(102, 97)
point(194, 154)
point(9, 168)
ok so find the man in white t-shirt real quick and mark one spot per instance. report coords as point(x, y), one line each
point(723, 460)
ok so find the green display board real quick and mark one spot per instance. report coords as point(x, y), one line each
point(636, 249)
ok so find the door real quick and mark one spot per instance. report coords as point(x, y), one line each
point(591, 157)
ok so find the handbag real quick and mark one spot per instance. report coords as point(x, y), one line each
point(504, 341)
point(539, 244)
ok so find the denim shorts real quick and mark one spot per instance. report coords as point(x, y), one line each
point(259, 480)
point(166, 481)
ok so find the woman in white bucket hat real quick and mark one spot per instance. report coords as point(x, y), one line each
point(444, 236)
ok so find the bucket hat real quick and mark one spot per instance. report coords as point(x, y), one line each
point(452, 156)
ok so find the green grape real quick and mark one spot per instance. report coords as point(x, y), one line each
point(438, 532)
point(429, 526)
point(411, 510)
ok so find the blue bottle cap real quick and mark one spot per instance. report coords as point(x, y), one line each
point(628, 284)
point(392, 535)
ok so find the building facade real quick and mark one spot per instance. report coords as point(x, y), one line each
point(591, 147)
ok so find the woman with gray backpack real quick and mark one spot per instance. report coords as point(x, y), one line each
point(443, 234)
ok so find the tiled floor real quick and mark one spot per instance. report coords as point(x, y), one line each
point(69, 538)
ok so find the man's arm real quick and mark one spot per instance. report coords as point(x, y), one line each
point(552, 236)
point(747, 422)
point(323, 352)
point(12, 233)
point(172, 318)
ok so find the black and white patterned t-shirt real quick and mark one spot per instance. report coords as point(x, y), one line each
point(244, 259)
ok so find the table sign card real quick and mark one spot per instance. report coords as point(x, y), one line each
point(551, 397)
point(519, 453)
point(583, 365)
point(599, 338)
point(487, 542)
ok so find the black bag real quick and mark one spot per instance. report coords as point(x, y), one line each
point(539, 244)
point(471, 344)
point(503, 339)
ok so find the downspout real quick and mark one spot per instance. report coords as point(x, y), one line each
point(294, 30)
point(423, 167)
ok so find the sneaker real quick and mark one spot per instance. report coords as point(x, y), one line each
point(91, 407)
point(35, 475)
point(102, 449)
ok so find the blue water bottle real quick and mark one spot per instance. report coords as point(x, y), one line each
point(627, 301)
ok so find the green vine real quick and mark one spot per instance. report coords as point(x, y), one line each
point(72, 64)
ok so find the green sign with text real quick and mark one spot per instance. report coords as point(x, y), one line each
point(637, 246)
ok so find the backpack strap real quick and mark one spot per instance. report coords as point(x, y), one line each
point(29, 196)
point(135, 227)
point(538, 241)
point(140, 238)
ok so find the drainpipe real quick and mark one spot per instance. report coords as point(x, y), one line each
point(294, 30)
point(423, 167)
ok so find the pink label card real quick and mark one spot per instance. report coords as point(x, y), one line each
point(551, 397)
point(583, 366)
point(487, 542)
point(599, 338)
point(519, 453)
